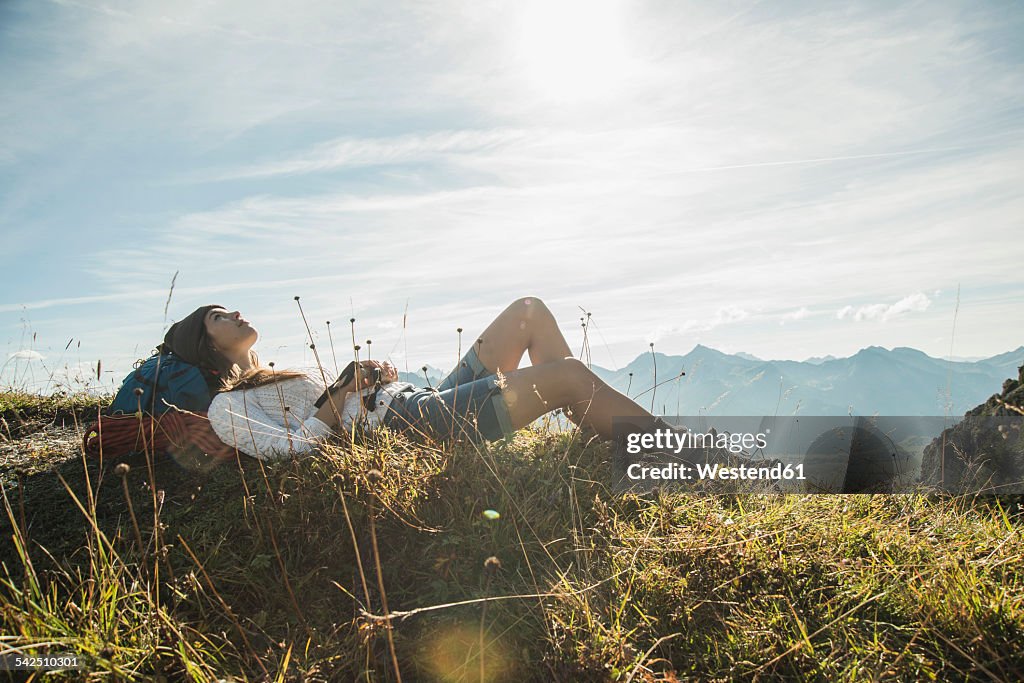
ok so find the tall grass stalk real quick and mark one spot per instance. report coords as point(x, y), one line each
point(373, 478)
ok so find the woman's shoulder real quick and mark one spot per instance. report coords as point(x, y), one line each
point(307, 385)
point(314, 374)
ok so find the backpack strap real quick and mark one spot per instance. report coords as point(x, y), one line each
point(154, 385)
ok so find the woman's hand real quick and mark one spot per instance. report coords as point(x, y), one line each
point(364, 379)
point(388, 373)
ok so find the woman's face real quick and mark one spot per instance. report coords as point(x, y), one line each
point(229, 331)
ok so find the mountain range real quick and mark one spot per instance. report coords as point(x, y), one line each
point(875, 380)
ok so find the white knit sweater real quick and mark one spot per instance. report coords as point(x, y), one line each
point(275, 420)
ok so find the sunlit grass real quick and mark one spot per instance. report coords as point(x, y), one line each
point(259, 578)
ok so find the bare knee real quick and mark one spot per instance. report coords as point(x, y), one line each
point(529, 306)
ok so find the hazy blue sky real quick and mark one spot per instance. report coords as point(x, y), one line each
point(783, 179)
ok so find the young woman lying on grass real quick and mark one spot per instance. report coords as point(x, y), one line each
point(270, 413)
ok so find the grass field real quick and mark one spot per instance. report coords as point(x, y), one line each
point(385, 560)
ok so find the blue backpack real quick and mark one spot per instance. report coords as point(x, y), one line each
point(164, 379)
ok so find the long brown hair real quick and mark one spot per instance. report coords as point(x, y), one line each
point(257, 376)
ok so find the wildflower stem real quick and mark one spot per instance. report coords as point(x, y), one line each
point(383, 594)
point(135, 527)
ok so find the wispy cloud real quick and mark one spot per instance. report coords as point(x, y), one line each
point(798, 314)
point(916, 302)
point(25, 354)
point(403, 149)
point(723, 316)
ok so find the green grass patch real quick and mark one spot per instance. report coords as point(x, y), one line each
point(255, 572)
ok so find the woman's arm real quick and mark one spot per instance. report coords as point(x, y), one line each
point(333, 408)
point(329, 414)
point(239, 421)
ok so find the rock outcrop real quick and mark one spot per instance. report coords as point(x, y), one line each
point(985, 451)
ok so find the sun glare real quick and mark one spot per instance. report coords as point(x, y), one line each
point(573, 50)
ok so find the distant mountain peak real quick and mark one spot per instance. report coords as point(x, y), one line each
point(701, 349)
point(1015, 357)
point(871, 351)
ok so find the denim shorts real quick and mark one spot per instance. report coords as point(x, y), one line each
point(468, 402)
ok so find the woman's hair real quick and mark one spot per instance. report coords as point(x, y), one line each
point(258, 376)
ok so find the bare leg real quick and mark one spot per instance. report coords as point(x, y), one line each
point(525, 325)
point(566, 383)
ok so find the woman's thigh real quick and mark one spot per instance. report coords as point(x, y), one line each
point(536, 390)
point(526, 323)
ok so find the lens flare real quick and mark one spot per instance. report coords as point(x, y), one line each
point(452, 653)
